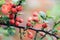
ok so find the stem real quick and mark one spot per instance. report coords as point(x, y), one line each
point(20, 34)
point(35, 35)
point(42, 37)
point(32, 29)
point(55, 26)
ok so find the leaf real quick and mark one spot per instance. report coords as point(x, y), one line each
point(6, 33)
point(39, 17)
point(1, 30)
point(42, 14)
point(11, 31)
point(23, 0)
point(5, 18)
point(33, 23)
point(15, 2)
point(2, 2)
point(54, 31)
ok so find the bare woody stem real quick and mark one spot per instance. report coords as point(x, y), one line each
point(32, 29)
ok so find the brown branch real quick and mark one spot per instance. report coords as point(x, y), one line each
point(31, 29)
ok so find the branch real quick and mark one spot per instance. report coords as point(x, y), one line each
point(57, 23)
point(32, 29)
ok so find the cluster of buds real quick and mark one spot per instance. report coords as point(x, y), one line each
point(12, 10)
point(9, 7)
point(17, 21)
point(35, 19)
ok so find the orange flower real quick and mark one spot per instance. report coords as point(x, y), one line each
point(6, 8)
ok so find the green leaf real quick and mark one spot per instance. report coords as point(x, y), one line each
point(5, 18)
point(23, 0)
point(11, 31)
point(1, 30)
point(6, 33)
point(12, 28)
point(42, 14)
point(39, 17)
point(15, 2)
point(2, 2)
point(54, 31)
point(33, 23)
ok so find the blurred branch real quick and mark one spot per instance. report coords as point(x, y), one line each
point(43, 37)
point(31, 29)
point(35, 35)
point(57, 22)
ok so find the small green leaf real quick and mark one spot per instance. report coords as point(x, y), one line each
point(15, 2)
point(54, 31)
point(6, 33)
point(1, 30)
point(42, 14)
point(11, 31)
point(5, 18)
point(33, 23)
point(23, 0)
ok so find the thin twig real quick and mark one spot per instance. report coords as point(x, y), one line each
point(35, 35)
